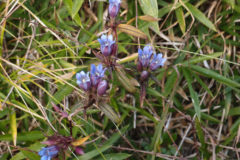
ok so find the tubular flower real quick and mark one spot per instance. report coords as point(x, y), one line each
point(107, 44)
point(114, 6)
point(47, 153)
point(102, 87)
point(83, 80)
point(157, 61)
point(96, 74)
point(144, 56)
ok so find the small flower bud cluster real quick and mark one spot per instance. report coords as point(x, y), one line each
point(93, 80)
point(113, 9)
point(148, 60)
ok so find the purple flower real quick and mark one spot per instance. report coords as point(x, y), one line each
point(157, 61)
point(79, 151)
point(144, 56)
point(83, 80)
point(96, 74)
point(102, 87)
point(107, 44)
point(114, 6)
point(47, 153)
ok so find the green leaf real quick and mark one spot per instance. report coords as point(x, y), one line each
point(200, 16)
point(181, 19)
point(171, 80)
point(63, 91)
point(69, 5)
point(201, 137)
point(234, 111)
point(77, 19)
point(104, 147)
point(156, 140)
point(201, 58)
point(140, 110)
point(204, 116)
point(154, 92)
point(34, 147)
point(200, 133)
point(231, 2)
point(30, 155)
point(150, 7)
point(216, 76)
point(235, 126)
point(28, 136)
point(203, 84)
point(193, 94)
point(77, 4)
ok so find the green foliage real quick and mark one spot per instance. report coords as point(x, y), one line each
point(192, 104)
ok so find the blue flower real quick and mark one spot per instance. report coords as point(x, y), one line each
point(96, 73)
point(114, 6)
point(107, 44)
point(102, 87)
point(144, 56)
point(157, 61)
point(47, 153)
point(83, 80)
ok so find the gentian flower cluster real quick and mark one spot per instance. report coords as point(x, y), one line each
point(93, 80)
point(47, 153)
point(148, 60)
point(114, 6)
point(107, 45)
point(57, 143)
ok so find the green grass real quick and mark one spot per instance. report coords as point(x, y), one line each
point(192, 104)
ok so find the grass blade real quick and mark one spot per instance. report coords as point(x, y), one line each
point(193, 94)
point(216, 76)
point(201, 17)
point(181, 19)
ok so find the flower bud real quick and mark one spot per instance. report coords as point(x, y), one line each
point(144, 75)
point(79, 151)
point(102, 87)
point(114, 6)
